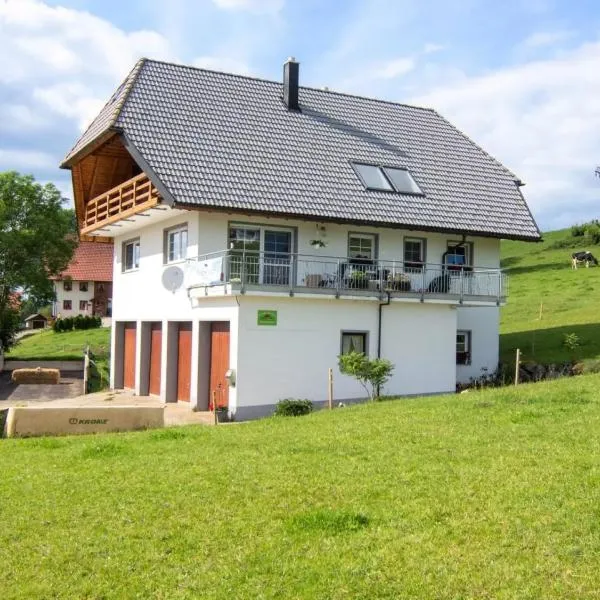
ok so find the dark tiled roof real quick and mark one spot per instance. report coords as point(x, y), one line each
point(227, 142)
point(92, 261)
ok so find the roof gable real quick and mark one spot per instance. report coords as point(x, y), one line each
point(92, 261)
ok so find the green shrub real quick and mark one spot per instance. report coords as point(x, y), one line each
point(78, 322)
point(571, 341)
point(290, 407)
point(371, 374)
point(578, 230)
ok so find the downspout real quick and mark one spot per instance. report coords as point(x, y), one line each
point(381, 305)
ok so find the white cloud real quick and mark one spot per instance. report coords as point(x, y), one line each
point(64, 61)
point(541, 119)
point(216, 63)
point(431, 48)
point(25, 160)
point(394, 68)
point(546, 38)
point(257, 6)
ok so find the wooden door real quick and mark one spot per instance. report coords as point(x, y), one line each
point(129, 356)
point(219, 363)
point(155, 357)
point(184, 361)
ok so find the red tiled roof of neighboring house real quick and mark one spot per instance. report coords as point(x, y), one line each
point(92, 261)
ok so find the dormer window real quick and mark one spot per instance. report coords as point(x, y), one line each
point(386, 179)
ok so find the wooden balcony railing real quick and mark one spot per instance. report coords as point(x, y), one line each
point(130, 197)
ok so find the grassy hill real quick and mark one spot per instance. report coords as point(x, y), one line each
point(547, 299)
point(70, 345)
point(483, 495)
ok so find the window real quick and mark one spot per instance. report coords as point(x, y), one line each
point(463, 347)
point(176, 240)
point(354, 341)
point(68, 285)
point(362, 245)
point(101, 288)
point(414, 253)
point(372, 177)
point(83, 286)
point(83, 305)
point(459, 255)
point(402, 181)
point(67, 305)
point(131, 255)
point(387, 179)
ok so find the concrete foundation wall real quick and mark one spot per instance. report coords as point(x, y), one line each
point(61, 365)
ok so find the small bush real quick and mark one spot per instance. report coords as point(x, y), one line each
point(290, 407)
point(571, 341)
point(578, 230)
point(78, 322)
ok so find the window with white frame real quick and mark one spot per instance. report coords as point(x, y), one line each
point(354, 341)
point(67, 285)
point(362, 245)
point(83, 286)
point(414, 253)
point(176, 240)
point(131, 255)
point(463, 347)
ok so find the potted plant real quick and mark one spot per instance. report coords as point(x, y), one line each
point(399, 282)
point(222, 413)
point(359, 280)
point(317, 243)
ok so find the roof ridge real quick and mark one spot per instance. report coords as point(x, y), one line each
point(274, 82)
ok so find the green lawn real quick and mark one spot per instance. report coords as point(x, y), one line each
point(541, 279)
point(491, 494)
point(69, 345)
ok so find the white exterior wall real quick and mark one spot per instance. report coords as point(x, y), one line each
point(292, 358)
point(75, 296)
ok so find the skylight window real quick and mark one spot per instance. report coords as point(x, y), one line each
point(387, 179)
point(402, 181)
point(373, 177)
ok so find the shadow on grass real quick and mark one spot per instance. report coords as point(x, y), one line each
point(547, 345)
point(555, 266)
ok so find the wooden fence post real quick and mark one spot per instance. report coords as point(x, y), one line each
point(214, 406)
point(517, 363)
point(330, 390)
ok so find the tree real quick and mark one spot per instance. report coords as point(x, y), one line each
point(37, 240)
point(371, 374)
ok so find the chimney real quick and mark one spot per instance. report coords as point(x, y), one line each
point(291, 70)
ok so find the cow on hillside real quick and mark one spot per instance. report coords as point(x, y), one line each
point(583, 258)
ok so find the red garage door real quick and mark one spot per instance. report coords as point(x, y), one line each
point(219, 363)
point(129, 356)
point(184, 361)
point(155, 357)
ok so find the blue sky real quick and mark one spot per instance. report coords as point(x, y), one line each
point(520, 77)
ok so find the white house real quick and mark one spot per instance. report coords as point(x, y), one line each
point(85, 286)
point(262, 228)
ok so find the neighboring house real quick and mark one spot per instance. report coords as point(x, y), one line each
point(262, 228)
point(36, 321)
point(85, 287)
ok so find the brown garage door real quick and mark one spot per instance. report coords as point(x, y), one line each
point(155, 356)
point(129, 356)
point(219, 363)
point(184, 361)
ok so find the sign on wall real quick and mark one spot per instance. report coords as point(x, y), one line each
point(267, 317)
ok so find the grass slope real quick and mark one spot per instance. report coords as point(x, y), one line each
point(541, 274)
point(69, 345)
point(491, 494)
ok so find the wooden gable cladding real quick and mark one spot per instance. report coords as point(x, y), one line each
point(101, 170)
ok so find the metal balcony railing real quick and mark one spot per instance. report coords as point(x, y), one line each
point(247, 270)
point(130, 197)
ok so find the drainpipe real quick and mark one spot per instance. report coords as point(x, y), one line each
point(381, 305)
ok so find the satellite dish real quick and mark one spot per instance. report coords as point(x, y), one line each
point(172, 279)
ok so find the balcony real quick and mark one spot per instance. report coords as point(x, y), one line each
point(234, 271)
point(125, 200)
